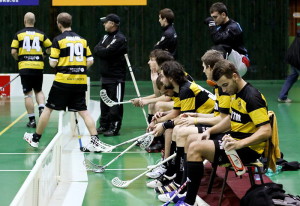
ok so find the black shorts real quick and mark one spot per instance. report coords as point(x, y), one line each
point(202, 128)
point(30, 82)
point(246, 154)
point(61, 99)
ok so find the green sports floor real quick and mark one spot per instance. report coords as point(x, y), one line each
point(17, 158)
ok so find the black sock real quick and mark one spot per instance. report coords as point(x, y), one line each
point(179, 164)
point(36, 137)
point(32, 118)
point(195, 172)
point(184, 176)
point(172, 151)
point(150, 118)
point(171, 166)
point(40, 108)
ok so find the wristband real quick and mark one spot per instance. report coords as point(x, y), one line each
point(196, 120)
point(168, 124)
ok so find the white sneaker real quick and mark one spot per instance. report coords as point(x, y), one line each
point(157, 172)
point(28, 138)
point(287, 100)
point(167, 196)
point(160, 181)
point(152, 166)
point(95, 145)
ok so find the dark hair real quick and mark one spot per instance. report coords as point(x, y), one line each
point(64, 19)
point(159, 83)
point(168, 14)
point(223, 67)
point(161, 56)
point(211, 57)
point(174, 70)
point(219, 7)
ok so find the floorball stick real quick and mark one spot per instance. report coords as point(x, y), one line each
point(177, 192)
point(117, 182)
point(135, 85)
point(109, 102)
point(145, 141)
point(8, 83)
point(78, 133)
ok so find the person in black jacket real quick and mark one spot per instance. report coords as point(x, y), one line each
point(227, 36)
point(111, 50)
point(168, 40)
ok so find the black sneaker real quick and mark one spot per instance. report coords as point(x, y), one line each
point(31, 124)
point(111, 133)
point(155, 148)
point(101, 130)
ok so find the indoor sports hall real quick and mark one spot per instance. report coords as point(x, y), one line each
point(78, 187)
point(59, 173)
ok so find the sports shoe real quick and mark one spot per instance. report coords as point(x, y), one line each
point(287, 100)
point(167, 196)
point(182, 203)
point(95, 145)
point(28, 138)
point(168, 188)
point(156, 172)
point(31, 124)
point(155, 147)
point(111, 133)
point(101, 130)
point(160, 181)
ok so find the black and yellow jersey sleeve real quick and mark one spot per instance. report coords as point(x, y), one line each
point(29, 42)
point(222, 104)
point(176, 100)
point(194, 98)
point(248, 112)
point(71, 52)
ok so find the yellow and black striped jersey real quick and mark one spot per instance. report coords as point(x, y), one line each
point(222, 103)
point(248, 111)
point(194, 98)
point(71, 52)
point(29, 42)
point(176, 100)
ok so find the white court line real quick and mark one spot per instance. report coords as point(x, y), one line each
point(20, 153)
point(116, 152)
point(15, 170)
point(132, 169)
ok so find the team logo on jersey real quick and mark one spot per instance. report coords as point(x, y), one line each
point(240, 105)
point(31, 58)
point(236, 117)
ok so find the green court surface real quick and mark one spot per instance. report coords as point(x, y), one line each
point(17, 157)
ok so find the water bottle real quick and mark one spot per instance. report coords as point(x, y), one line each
point(235, 161)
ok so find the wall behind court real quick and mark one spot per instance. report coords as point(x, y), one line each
point(265, 25)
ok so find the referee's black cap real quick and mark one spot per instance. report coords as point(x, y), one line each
point(111, 17)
